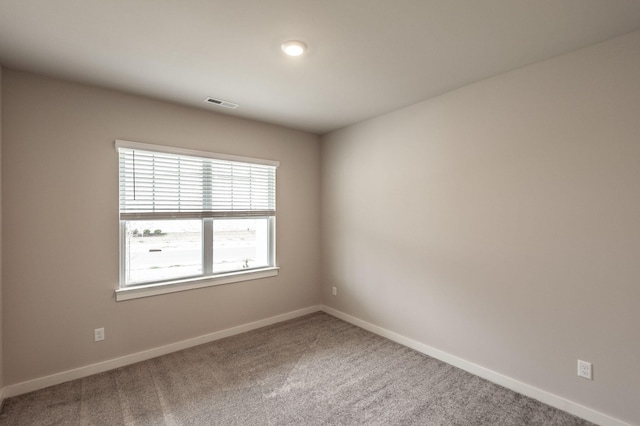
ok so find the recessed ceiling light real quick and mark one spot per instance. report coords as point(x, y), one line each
point(293, 47)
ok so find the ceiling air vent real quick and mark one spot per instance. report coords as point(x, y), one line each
point(222, 103)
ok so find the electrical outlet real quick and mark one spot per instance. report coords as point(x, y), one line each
point(98, 334)
point(584, 369)
point(334, 291)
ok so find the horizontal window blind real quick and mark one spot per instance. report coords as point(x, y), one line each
point(162, 185)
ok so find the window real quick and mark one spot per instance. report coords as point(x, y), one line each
point(187, 216)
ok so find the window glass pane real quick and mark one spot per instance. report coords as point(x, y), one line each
point(240, 244)
point(159, 250)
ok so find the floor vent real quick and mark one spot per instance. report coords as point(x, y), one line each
point(222, 103)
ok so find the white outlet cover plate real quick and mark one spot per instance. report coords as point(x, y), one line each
point(98, 334)
point(584, 369)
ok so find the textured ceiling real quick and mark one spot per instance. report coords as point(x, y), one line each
point(365, 57)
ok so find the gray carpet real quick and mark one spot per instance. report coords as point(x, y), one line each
point(313, 370)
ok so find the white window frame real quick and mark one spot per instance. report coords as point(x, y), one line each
point(207, 278)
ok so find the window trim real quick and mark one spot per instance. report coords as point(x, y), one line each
point(165, 287)
point(119, 143)
point(135, 291)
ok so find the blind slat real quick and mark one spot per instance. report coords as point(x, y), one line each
point(160, 184)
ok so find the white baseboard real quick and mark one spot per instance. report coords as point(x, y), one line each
point(77, 373)
point(493, 376)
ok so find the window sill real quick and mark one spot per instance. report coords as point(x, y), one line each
point(191, 284)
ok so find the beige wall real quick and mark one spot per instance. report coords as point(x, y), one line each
point(60, 199)
point(1, 309)
point(501, 223)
